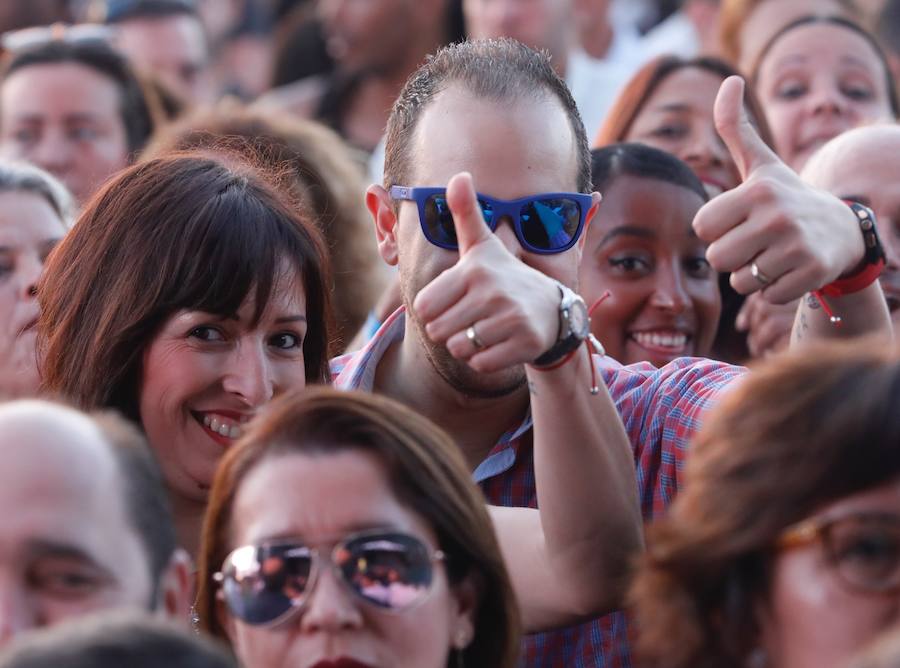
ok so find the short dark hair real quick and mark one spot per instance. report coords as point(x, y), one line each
point(632, 159)
point(501, 70)
point(111, 641)
point(185, 231)
point(144, 490)
point(136, 108)
point(126, 10)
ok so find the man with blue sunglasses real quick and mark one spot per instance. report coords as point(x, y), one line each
point(486, 172)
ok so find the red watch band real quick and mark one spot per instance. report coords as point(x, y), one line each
point(855, 283)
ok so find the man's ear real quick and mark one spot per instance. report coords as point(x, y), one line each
point(381, 206)
point(175, 594)
point(592, 212)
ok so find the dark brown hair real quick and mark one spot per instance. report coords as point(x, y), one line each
point(501, 70)
point(138, 109)
point(632, 99)
point(180, 232)
point(322, 174)
point(797, 433)
point(425, 470)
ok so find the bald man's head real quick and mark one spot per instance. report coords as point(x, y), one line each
point(86, 525)
point(863, 165)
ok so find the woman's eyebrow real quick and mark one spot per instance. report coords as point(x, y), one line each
point(673, 106)
point(628, 230)
point(289, 319)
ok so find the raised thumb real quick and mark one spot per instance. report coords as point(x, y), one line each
point(746, 147)
point(467, 217)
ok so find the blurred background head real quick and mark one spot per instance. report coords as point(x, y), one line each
point(747, 25)
point(92, 530)
point(72, 105)
point(818, 77)
point(114, 640)
point(167, 39)
point(35, 212)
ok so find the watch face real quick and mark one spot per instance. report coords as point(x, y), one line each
point(579, 322)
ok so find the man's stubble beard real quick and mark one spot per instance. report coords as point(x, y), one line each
point(459, 375)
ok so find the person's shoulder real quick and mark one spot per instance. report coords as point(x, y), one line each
point(689, 373)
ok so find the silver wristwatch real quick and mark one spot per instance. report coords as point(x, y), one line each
point(574, 327)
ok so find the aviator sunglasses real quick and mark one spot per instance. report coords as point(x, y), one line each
point(547, 223)
point(264, 584)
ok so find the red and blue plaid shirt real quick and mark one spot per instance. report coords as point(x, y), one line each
point(661, 410)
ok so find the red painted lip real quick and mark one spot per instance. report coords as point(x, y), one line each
point(343, 662)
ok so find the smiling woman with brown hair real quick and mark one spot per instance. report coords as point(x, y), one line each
point(188, 294)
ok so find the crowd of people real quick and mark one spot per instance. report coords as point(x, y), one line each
point(598, 371)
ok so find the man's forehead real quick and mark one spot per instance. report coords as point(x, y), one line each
point(524, 141)
point(40, 438)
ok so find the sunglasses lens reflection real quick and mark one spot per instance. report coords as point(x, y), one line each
point(392, 571)
point(439, 226)
point(262, 584)
point(550, 224)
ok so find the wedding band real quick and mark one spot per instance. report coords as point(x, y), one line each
point(756, 273)
point(472, 335)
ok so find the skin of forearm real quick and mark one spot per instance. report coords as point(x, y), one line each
point(863, 313)
point(586, 484)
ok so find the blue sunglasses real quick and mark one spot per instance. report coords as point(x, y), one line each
point(547, 223)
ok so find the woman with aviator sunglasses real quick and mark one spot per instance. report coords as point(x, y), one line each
point(343, 531)
point(783, 550)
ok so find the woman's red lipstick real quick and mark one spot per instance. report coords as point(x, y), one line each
point(342, 662)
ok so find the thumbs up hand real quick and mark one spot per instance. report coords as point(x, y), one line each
point(509, 309)
point(773, 232)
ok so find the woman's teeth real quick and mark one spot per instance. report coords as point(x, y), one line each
point(221, 427)
point(674, 341)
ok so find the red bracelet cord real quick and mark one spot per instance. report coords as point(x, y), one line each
point(847, 286)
